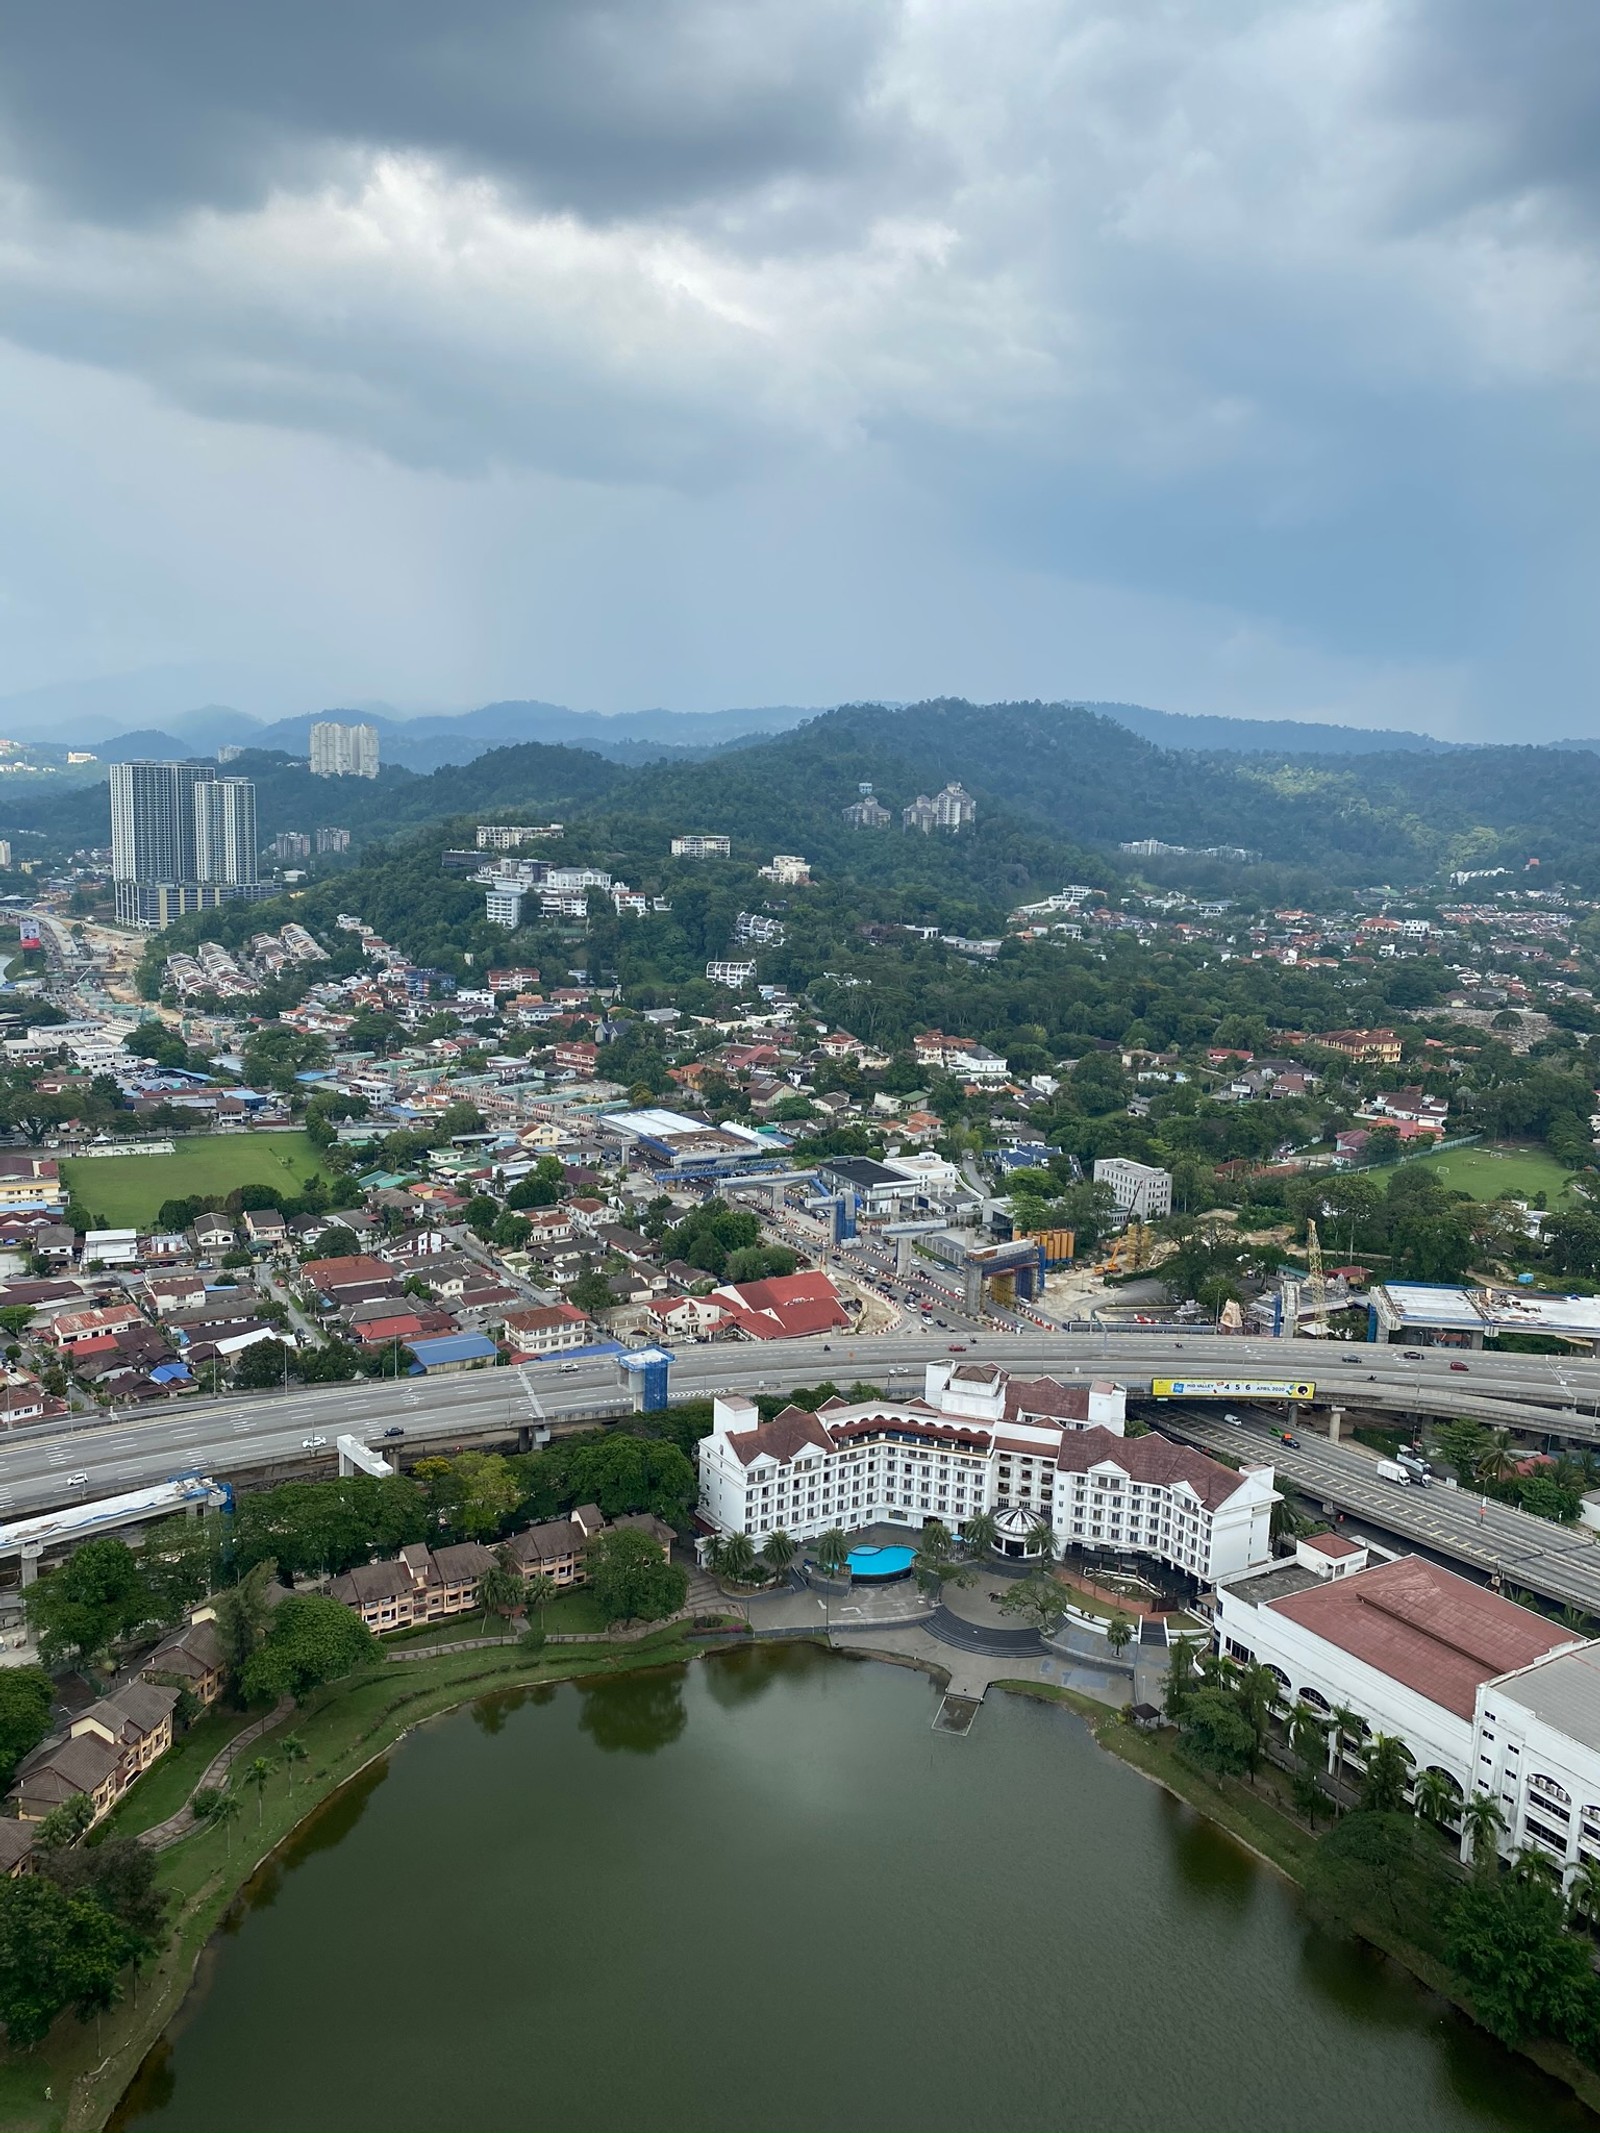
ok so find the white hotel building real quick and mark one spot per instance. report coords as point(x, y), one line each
point(980, 1440)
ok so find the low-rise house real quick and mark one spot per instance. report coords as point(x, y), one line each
point(266, 1225)
point(191, 1656)
point(421, 1584)
point(213, 1233)
point(556, 1548)
point(71, 1329)
point(16, 1848)
point(105, 1749)
point(548, 1329)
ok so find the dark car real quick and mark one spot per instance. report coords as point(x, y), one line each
point(1412, 1355)
point(1458, 1366)
point(1287, 1436)
point(388, 1433)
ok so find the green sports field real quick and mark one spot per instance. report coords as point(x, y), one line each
point(125, 1191)
point(1486, 1171)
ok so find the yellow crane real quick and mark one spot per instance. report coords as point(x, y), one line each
point(1317, 1284)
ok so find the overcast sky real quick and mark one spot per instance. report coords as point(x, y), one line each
point(1226, 357)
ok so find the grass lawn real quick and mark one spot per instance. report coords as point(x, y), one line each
point(1486, 1171)
point(125, 1191)
point(163, 1791)
point(571, 1613)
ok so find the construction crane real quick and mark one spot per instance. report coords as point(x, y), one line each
point(1317, 1284)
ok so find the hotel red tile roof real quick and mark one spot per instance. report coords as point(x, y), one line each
point(1151, 1459)
point(1425, 1627)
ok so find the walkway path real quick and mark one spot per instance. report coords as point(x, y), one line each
point(216, 1776)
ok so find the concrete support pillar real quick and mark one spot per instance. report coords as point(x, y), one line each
point(904, 1257)
point(972, 1290)
point(1335, 1423)
point(30, 1567)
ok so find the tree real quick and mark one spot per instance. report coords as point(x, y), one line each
point(1119, 1634)
point(500, 1589)
point(631, 1578)
point(1038, 1598)
point(57, 1950)
point(119, 1873)
point(475, 1493)
point(243, 1612)
point(1383, 1786)
point(224, 1814)
point(257, 1772)
point(292, 1750)
point(1381, 1868)
point(1180, 1679)
point(1482, 1821)
point(263, 1366)
point(1434, 1797)
point(1041, 1540)
point(833, 1552)
point(64, 1825)
point(26, 1694)
point(80, 1610)
point(1216, 1732)
point(311, 1640)
point(777, 1552)
point(538, 1592)
point(1529, 1977)
point(738, 1558)
point(980, 1532)
point(591, 1292)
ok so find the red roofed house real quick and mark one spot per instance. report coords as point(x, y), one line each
point(1405, 1644)
point(785, 1307)
point(547, 1329)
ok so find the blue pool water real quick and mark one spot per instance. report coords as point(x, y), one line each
point(871, 1563)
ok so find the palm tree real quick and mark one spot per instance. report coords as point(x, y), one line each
point(539, 1592)
point(1180, 1678)
point(1434, 1798)
point(937, 1539)
point(499, 1589)
point(1583, 1899)
point(1536, 1866)
point(291, 1750)
point(1482, 1822)
point(1495, 1461)
point(226, 1811)
point(1383, 1789)
point(833, 1552)
point(1574, 1619)
point(1119, 1635)
point(777, 1552)
point(738, 1558)
point(716, 1553)
point(980, 1532)
point(257, 1774)
point(1041, 1540)
point(1347, 1726)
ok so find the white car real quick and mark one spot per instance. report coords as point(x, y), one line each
point(77, 1481)
point(312, 1444)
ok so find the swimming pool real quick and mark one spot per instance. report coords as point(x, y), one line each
point(873, 1565)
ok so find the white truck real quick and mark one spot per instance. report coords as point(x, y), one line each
point(1392, 1470)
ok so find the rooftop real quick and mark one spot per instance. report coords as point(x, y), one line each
point(1564, 1692)
point(1427, 1628)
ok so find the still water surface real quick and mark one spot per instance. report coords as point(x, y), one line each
point(759, 1893)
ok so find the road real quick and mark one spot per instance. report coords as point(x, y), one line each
point(1559, 1562)
point(269, 1430)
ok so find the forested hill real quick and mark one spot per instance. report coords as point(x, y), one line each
point(1400, 816)
point(1054, 784)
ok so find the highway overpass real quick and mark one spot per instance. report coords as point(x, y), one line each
point(272, 1435)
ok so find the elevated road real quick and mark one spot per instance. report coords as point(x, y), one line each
point(1560, 1563)
point(275, 1432)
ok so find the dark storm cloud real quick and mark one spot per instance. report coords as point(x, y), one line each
point(604, 106)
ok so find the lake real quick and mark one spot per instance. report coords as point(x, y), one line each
point(759, 1893)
